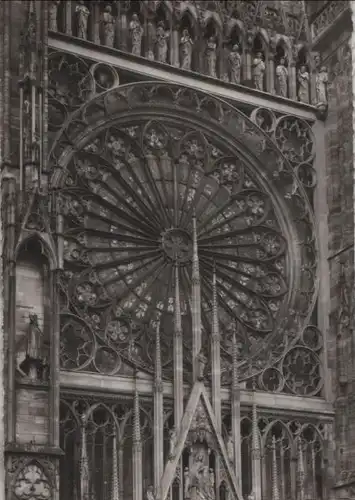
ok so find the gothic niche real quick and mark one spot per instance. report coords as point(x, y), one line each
point(32, 290)
point(129, 195)
point(259, 58)
point(199, 460)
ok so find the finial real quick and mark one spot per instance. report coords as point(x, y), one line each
point(275, 488)
point(215, 325)
point(194, 238)
point(177, 306)
point(158, 367)
point(136, 416)
point(300, 464)
point(255, 427)
point(115, 478)
point(235, 356)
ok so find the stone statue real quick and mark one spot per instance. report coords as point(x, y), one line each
point(150, 493)
point(321, 86)
point(201, 479)
point(258, 71)
point(83, 17)
point(211, 57)
point(230, 448)
point(282, 78)
point(172, 442)
point(53, 15)
point(161, 43)
point(235, 61)
point(186, 483)
point(212, 479)
point(202, 361)
point(108, 22)
point(34, 352)
point(136, 32)
point(303, 82)
point(186, 44)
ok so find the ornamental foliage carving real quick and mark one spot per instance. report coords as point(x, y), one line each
point(128, 191)
point(33, 479)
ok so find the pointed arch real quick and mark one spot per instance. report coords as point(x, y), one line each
point(45, 242)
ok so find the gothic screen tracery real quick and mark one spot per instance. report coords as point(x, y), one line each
point(149, 160)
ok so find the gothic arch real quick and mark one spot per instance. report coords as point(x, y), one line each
point(248, 197)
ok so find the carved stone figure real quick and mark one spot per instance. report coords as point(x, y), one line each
point(230, 448)
point(32, 483)
point(202, 478)
point(202, 361)
point(34, 354)
point(211, 57)
point(186, 483)
point(136, 33)
point(83, 17)
point(108, 22)
point(172, 442)
point(161, 43)
point(258, 71)
point(34, 346)
point(186, 44)
point(53, 15)
point(235, 61)
point(282, 77)
point(321, 86)
point(212, 479)
point(303, 82)
point(150, 493)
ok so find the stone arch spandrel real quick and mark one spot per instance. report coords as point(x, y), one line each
point(246, 169)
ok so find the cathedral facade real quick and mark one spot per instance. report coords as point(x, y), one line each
point(177, 235)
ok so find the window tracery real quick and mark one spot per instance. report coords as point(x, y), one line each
point(128, 196)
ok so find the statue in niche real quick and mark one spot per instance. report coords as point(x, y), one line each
point(202, 362)
point(172, 442)
point(230, 448)
point(161, 43)
point(186, 483)
point(201, 477)
point(186, 44)
point(258, 71)
point(321, 86)
point(303, 82)
point(235, 62)
point(150, 493)
point(33, 365)
point(282, 78)
point(53, 15)
point(136, 33)
point(83, 17)
point(108, 22)
point(211, 57)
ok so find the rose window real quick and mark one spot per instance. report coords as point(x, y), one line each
point(129, 196)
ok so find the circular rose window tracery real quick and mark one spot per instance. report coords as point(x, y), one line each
point(129, 191)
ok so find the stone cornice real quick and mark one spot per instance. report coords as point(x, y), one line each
point(126, 385)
